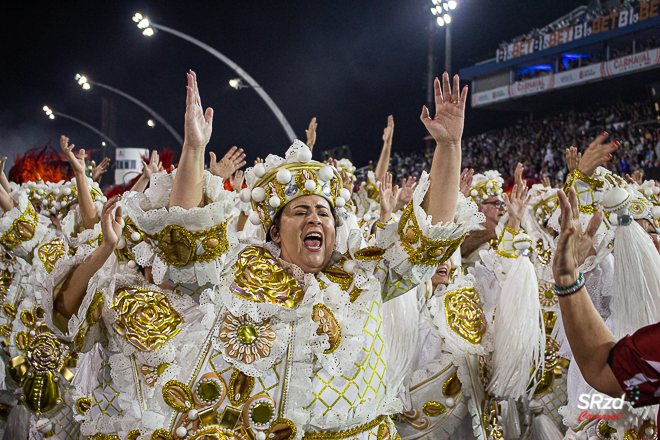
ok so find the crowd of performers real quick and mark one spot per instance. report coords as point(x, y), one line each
point(301, 305)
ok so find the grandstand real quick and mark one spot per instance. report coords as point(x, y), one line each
point(602, 49)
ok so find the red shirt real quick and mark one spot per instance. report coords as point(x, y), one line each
point(635, 362)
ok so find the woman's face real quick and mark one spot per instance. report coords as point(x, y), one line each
point(306, 233)
point(442, 274)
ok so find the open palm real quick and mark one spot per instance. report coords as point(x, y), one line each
point(199, 124)
point(446, 126)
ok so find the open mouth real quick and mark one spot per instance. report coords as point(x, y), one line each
point(442, 272)
point(313, 241)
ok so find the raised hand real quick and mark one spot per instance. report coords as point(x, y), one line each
point(311, 134)
point(518, 175)
point(111, 225)
point(516, 204)
point(77, 163)
point(388, 133)
point(573, 159)
point(199, 124)
point(573, 245)
point(405, 193)
point(597, 154)
point(258, 160)
point(466, 181)
point(232, 161)
point(347, 180)
point(388, 196)
point(99, 170)
point(446, 126)
point(153, 167)
point(3, 178)
point(237, 180)
point(546, 182)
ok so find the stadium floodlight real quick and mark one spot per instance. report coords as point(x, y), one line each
point(149, 32)
point(151, 123)
point(447, 18)
point(452, 4)
point(441, 22)
point(237, 83)
point(435, 2)
point(51, 115)
point(444, 5)
point(433, 11)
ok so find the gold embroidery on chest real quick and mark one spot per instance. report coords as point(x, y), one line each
point(465, 315)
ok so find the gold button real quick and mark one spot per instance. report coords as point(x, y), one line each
point(261, 413)
point(212, 242)
point(247, 334)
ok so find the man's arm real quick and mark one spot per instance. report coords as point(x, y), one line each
point(386, 151)
point(475, 239)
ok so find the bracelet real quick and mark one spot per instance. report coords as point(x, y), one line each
point(570, 290)
point(380, 225)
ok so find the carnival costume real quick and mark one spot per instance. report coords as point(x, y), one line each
point(260, 349)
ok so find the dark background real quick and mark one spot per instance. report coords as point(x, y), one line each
point(350, 63)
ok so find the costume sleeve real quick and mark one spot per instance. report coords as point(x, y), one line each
point(22, 228)
point(414, 247)
point(586, 189)
point(635, 362)
point(182, 245)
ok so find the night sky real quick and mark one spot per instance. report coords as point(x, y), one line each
point(349, 63)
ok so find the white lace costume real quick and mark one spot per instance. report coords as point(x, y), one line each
point(263, 349)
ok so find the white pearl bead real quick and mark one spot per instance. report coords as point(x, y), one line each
point(450, 402)
point(340, 202)
point(244, 195)
point(192, 414)
point(304, 155)
point(181, 431)
point(132, 264)
point(474, 193)
point(258, 194)
point(259, 170)
point(284, 176)
point(260, 435)
point(104, 199)
point(254, 218)
point(56, 191)
point(73, 181)
point(135, 236)
point(310, 185)
point(367, 217)
point(489, 185)
point(648, 431)
point(326, 173)
point(346, 194)
point(66, 191)
point(121, 244)
point(274, 202)
point(349, 265)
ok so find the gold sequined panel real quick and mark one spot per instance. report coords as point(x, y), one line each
point(49, 253)
point(22, 229)
point(145, 318)
point(465, 315)
point(260, 278)
point(422, 250)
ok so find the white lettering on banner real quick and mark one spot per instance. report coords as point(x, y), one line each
point(489, 96)
point(577, 76)
point(599, 401)
point(531, 86)
point(631, 62)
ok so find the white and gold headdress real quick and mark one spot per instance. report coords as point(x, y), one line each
point(59, 196)
point(278, 181)
point(486, 185)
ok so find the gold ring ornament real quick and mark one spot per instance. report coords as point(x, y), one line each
point(277, 181)
point(454, 101)
point(486, 185)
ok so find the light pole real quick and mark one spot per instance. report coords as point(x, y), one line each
point(441, 10)
point(85, 82)
point(51, 115)
point(149, 29)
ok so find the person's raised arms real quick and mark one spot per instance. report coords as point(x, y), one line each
point(446, 127)
point(87, 209)
point(233, 160)
point(188, 187)
point(386, 151)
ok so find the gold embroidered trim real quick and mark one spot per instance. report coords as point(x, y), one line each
point(345, 434)
point(21, 230)
point(428, 252)
point(328, 325)
point(241, 398)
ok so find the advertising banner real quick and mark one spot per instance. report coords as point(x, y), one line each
point(630, 63)
point(577, 76)
point(490, 96)
point(531, 86)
